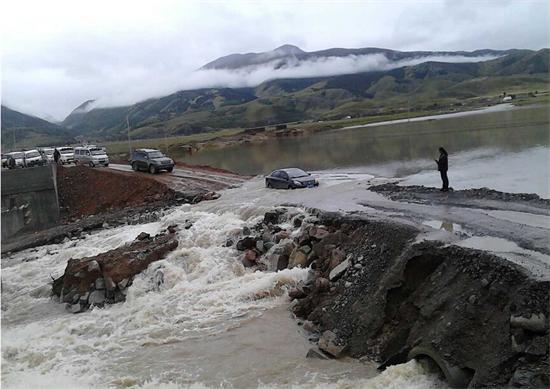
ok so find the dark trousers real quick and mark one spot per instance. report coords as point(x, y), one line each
point(445, 179)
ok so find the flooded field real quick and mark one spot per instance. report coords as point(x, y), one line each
point(521, 136)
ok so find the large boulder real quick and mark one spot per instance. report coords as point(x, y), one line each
point(273, 217)
point(103, 278)
point(338, 270)
point(331, 344)
point(247, 243)
point(298, 258)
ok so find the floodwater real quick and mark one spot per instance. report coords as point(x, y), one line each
point(212, 323)
point(478, 145)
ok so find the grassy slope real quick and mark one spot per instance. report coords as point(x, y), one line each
point(25, 131)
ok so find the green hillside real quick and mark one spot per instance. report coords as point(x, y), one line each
point(425, 87)
point(24, 131)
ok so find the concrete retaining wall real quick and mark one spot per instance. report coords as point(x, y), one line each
point(29, 200)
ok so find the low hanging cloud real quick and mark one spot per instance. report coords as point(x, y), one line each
point(126, 51)
point(252, 76)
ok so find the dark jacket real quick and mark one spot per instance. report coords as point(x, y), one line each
point(442, 164)
point(56, 155)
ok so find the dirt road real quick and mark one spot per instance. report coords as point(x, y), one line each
point(182, 179)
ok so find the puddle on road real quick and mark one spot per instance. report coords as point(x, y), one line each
point(537, 263)
point(444, 225)
point(528, 219)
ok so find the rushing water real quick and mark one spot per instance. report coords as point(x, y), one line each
point(405, 149)
point(212, 323)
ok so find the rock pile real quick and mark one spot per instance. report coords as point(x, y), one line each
point(274, 244)
point(376, 292)
point(104, 278)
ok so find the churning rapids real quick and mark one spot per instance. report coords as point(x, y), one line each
point(210, 324)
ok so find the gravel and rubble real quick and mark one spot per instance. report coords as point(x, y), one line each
point(483, 198)
point(375, 291)
point(92, 199)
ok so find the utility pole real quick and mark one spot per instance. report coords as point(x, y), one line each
point(129, 143)
point(165, 142)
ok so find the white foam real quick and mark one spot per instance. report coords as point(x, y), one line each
point(205, 288)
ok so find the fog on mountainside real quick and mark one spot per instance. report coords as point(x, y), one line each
point(250, 70)
point(288, 84)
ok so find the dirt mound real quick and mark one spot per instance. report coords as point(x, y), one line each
point(387, 296)
point(416, 192)
point(376, 291)
point(206, 168)
point(85, 191)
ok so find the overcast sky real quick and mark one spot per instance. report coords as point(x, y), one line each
point(57, 54)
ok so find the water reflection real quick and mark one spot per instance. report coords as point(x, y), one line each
point(376, 147)
point(446, 225)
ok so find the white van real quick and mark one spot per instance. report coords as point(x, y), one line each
point(19, 158)
point(33, 158)
point(66, 155)
point(47, 154)
point(91, 155)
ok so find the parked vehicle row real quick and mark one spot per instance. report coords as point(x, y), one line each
point(26, 158)
point(90, 155)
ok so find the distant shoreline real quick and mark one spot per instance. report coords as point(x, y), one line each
point(491, 109)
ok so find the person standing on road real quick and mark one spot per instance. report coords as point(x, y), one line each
point(443, 166)
point(56, 155)
point(11, 162)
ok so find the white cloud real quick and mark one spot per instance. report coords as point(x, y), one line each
point(57, 54)
point(254, 75)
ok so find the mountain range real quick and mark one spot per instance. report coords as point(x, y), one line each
point(289, 55)
point(417, 85)
point(23, 131)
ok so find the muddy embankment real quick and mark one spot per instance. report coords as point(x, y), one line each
point(376, 291)
point(484, 198)
point(84, 191)
point(90, 199)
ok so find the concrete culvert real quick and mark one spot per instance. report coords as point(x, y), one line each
point(432, 362)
